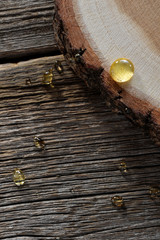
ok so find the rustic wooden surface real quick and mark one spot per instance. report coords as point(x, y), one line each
point(69, 185)
point(26, 29)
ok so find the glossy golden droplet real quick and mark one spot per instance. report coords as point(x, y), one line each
point(117, 201)
point(39, 143)
point(58, 67)
point(123, 167)
point(18, 177)
point(154, 192)
point(71, 60)
point(48, 78)
point(28, 82)
point(78, 57)
point(122, 70)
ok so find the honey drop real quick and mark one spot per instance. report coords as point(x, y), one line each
point(58, 66)
point(117, 201)
point(28, 82)
point(77, 57)
point(48, 78)
point(18, 177)
point(39, 143)
point(122, 70)
point(154, 192)
point(123, 168)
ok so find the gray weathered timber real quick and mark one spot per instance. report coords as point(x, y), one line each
point(68, 189)
point(69, 185)
point(26, 28)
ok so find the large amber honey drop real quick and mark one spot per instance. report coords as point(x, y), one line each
point(122, 70)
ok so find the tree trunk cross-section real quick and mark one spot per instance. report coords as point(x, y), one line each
point(109, 30)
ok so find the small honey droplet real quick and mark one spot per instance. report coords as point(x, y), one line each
point(28, 82)
point(71, 60)
point(78, 57)
point(39, 143)
point(154, 192)
point(123, 167)
point(48, 78)
point(117, 201)
point(18, 177)
point(72, 190)
point(58, 66)
point(122, 70)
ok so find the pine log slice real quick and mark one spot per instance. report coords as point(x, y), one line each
point(108, 30)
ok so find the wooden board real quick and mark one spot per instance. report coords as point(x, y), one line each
point(26, 29)
point(69, 186)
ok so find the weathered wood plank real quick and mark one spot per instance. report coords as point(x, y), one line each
point(26, 28)
point(151, 233)
point(69, 185)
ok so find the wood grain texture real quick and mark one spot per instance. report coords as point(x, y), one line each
point(26, 28)
point(68, 190)
point(69, 185)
